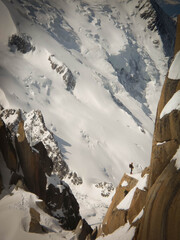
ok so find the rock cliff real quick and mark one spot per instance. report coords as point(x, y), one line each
point(161, 215)
point(29, 167)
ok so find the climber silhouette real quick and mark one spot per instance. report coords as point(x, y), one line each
point(131, 167)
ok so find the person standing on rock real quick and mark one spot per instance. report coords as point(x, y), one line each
point(131, 167)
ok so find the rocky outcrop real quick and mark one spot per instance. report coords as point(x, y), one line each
point(115, 217)
point(162, 209)
point(34, 172)
point(64, 72)
point(161, 217)
point(82, 230)
point(36, 131)
point(21, 43)
point(63, 205)
point(106, 188)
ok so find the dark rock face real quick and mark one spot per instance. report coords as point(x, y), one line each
point(7, 148)
point(45, 161)
point(83, 230)
point(63, 205)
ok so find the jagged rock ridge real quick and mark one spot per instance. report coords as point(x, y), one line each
point(31, 165)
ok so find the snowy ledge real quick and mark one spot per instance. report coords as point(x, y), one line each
point(126, 202)
point(172, 104)
point(174, 71)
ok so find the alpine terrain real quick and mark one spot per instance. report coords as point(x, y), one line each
point(80, 83)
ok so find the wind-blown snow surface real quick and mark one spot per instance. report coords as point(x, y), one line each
point(119, 67)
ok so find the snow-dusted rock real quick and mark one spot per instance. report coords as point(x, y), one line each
point(64, 72)
point(36, 132)
point(63, 205)
point(106, 188)
point(20, 43)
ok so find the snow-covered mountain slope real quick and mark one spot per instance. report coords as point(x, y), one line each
point(117, 62)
